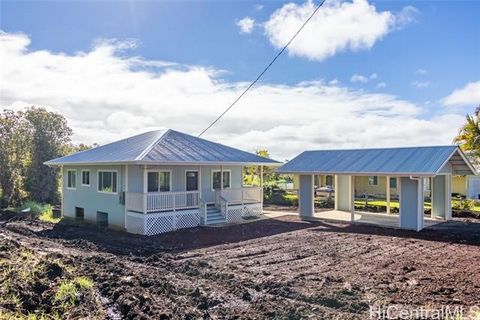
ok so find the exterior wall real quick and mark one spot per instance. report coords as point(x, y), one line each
point(459, 185)
point(319, 181)
point(305, 200)
point(342, 193)
point(411, 204)
point(362, 186)
point(439, 196)
point(91, 200)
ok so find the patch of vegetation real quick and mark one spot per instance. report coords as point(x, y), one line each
point(38, 210)
point(37, 286)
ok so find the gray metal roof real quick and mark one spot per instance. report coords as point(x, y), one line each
point(163, 147)
point(385, 161)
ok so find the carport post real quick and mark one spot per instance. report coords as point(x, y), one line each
point(388, 194)
point(352, 198)
point(306, 196)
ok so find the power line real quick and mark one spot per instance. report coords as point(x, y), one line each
point(264, 70)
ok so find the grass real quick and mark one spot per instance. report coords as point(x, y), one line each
point(68, 291)
point(44, 212)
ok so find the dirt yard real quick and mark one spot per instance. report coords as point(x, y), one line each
point(278, 268)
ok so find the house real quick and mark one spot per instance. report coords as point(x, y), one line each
point(159, 181)
point(411, 167)
point(467, 186)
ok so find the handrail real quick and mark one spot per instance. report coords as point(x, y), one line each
point(203, 207)
point(224, 206)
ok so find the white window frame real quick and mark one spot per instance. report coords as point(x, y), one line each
point(198, 177)
point(211, 178)
point(160, 171)
point(76, 178)
point(98, 184)
point(372, 184)
point(89, 178)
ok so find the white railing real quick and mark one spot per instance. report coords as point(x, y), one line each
point(203, 211)
point(223, 204)
point(162, 201)
point(243, 195)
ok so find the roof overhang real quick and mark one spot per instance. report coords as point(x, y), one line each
point(459, 163)
point(151, 163)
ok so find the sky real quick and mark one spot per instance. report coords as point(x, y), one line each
point(360, 74)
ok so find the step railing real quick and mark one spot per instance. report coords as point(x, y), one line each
point(203, 210)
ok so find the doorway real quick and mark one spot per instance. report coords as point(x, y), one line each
point(191, 180)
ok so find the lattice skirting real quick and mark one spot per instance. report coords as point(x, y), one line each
point(156, 223)
point(238, 212)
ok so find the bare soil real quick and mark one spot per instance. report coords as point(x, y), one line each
point(275, 269)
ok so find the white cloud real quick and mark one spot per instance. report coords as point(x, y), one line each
point(106, 96)
point(246, 25)
point(381, 85)
point(406, 16)
point(258, 7)
point(421, 84)
point(421, 72)
point(363, 79)
point(468, 95)
point(334, 82)
point(336, 27)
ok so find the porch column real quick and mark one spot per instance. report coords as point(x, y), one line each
point(388, 194)
point(221, 180)
point(306, 196)
point(439, 197)
point(261, 185)
point(411, 203)
point(145, 188)
point(125, 198)
point(342, 192)
point(352, 199)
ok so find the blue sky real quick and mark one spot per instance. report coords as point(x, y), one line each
point(426, 52)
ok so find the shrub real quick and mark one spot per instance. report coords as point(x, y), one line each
point(41, 211)
point(463, 205)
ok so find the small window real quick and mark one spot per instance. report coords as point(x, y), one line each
point(102, 219)
point(216, 180)
point(71, 179)
point(158, 181)
point(107, 181)
point(86, 178)
point(372, 180)
point(393, 183)
point(79, 213)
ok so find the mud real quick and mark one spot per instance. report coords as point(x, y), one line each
point(275, 269)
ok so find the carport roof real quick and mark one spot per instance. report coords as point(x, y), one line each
point(415, 161)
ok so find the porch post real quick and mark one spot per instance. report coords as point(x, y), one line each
point(221, 180)
point(388, 194)
point(125, 201)
point(352, 198)
point(261, 186)
point(145, 188)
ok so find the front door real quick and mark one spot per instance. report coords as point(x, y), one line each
point(192, 180)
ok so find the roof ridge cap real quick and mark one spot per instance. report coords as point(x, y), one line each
point(150, 147)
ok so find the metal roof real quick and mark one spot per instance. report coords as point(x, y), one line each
point(163, 147)
point(385, 161)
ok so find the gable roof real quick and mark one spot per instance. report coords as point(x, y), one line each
point(163, 147)
point(421, 161)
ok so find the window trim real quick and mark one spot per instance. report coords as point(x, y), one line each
point(98, 184)
point(160, 171)
point(76, 178)
point(215, 170)
point(372, 184)
point(89, 178)
point(198, 177)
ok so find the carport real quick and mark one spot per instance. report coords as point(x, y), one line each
point(411, 166)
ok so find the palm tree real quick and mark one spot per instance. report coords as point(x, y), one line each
point(469, 134)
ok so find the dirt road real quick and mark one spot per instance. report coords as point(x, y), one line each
point(279, 268)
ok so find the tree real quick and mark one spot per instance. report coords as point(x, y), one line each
point(50, 135)
point(252, 173)
point(15, 155)
point(469, 134)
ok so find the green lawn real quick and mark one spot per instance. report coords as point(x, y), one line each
point(394, 203)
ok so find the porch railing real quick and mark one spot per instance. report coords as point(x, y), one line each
point(241, 195)
point(162, 201)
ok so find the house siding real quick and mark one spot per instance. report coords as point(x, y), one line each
point(92, 201)
point(362, 186)
point(459, 185)
point(88, 198)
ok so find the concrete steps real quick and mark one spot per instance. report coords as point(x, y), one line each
point(214, 216)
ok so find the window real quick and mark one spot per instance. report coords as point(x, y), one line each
point(107, 181)
point(102, 219)
point(159, 181)
point(86, 178)
point(216, 179)
point(393, 183)
point(372, 180)
point(71, 179)
point(79, 213)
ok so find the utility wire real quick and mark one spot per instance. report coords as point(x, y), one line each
point(264, 70)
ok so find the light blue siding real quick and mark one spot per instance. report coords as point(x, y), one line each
point(91, 200)
point(411, 214)
point(439, 196)
point(306, 204)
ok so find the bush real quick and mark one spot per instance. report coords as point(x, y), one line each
point(41, 211)
point(463, 205)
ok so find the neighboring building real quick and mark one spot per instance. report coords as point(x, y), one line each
point(411, 167)
point(466, 186)
point(159, 181)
